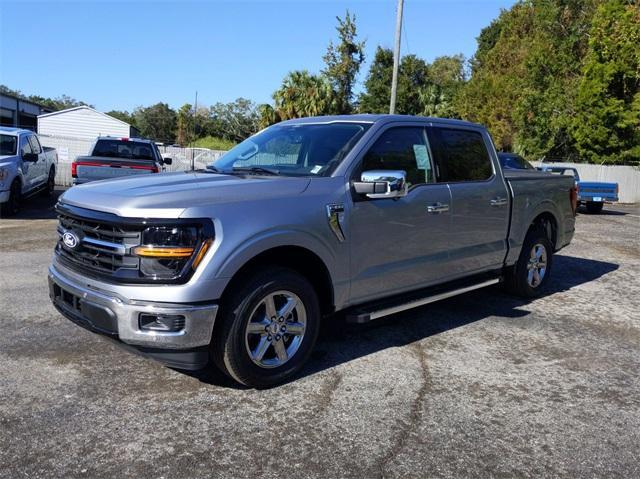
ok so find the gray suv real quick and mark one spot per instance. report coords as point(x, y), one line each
point(235, 266)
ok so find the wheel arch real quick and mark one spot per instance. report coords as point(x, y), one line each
point(297, 258)
point(549, 223)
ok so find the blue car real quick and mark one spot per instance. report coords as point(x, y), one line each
point(592, 194)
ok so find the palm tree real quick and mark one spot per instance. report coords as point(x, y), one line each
point(303, 94)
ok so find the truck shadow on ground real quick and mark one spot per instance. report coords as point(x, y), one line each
point(38, 207)
point(605, 212)
point(340, 342)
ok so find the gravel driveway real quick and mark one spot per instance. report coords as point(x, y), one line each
point(479, 385)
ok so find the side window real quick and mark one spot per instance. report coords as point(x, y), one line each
point(35, 144)
point(460, 155)
point(401, 148)
point(26, 146)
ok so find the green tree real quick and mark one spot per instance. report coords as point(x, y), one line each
point(525, 76)
point(377, 87)
point(303, 94)
point(268, 116)
point(343, 62)
point(606, 125)
point(234, 121)
point(423, 89)
point(185, 124)
point(60, 103)
point(123, 116)
point(157, 122)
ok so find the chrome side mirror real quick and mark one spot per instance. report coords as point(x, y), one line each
point(382, 184)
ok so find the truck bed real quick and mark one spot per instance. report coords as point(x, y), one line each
point(527, 187)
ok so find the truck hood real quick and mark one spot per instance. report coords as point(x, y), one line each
point(167, 195)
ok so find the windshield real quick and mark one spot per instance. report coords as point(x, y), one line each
point(293, 150)
point(123, 149)
point(8, 144)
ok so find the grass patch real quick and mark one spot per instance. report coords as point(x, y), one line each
point(214, 143)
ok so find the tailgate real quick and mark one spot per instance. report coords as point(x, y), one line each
point(92, 168)
point(596, 191)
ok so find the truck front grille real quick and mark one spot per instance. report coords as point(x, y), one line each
point(103, 247)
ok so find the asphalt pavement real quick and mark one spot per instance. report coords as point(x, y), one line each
point(481, 385)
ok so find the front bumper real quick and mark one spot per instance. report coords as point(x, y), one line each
point(111, 315)
point(4, 196)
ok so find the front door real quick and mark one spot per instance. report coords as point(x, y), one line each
point(29, 168)
point(40, 166)
point(480, 200)
point(399, 244)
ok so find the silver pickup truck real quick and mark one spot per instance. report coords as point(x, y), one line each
point(236, 265)
point(114, 157)
point(26, 168)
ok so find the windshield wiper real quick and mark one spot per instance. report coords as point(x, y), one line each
point(256, 169)
point(213, 169)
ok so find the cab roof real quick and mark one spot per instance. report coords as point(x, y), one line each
point(377, 118)
point(13, 131)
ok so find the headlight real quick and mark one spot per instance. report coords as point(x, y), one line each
point(169, 252)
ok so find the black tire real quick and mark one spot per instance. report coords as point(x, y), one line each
point(12, 206)
point(51, 183)
point(231, 348)
point(517, 280)
point(594, 207)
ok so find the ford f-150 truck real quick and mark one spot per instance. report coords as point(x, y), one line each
point(26, 168)
point(113, 157)
point(592, 194)
point(235, 266)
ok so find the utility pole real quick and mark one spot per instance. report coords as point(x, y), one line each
point(396, 59)
point(193, 135)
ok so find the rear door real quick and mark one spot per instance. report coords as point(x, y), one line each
point(397, 244)
point(479, 197)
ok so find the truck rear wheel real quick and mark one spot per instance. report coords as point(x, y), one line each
point(268, 327)
point(530, 274)
point(51, 183)
point(594, 207)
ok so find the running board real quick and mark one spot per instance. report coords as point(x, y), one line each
point(363, 316)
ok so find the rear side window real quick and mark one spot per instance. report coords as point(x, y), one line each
point(460, 155)
point(35, 145)
point(401, 148)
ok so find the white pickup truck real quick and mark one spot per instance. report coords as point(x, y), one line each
point(26, 167)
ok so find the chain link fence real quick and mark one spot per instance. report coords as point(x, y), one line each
point(69, 148)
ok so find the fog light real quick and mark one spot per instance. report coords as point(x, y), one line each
point(168, 323)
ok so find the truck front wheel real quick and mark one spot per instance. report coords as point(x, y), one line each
point(12, 206)
point(268, 327)
point(594, 207)
point(531, 273)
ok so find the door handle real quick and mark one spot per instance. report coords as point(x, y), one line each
point(498, 202)
point(437, 208)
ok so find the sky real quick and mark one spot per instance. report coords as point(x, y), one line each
point(120, 55)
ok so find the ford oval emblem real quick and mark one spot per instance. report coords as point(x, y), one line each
point(70, 239)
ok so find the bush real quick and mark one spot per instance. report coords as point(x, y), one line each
point(214, 143)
